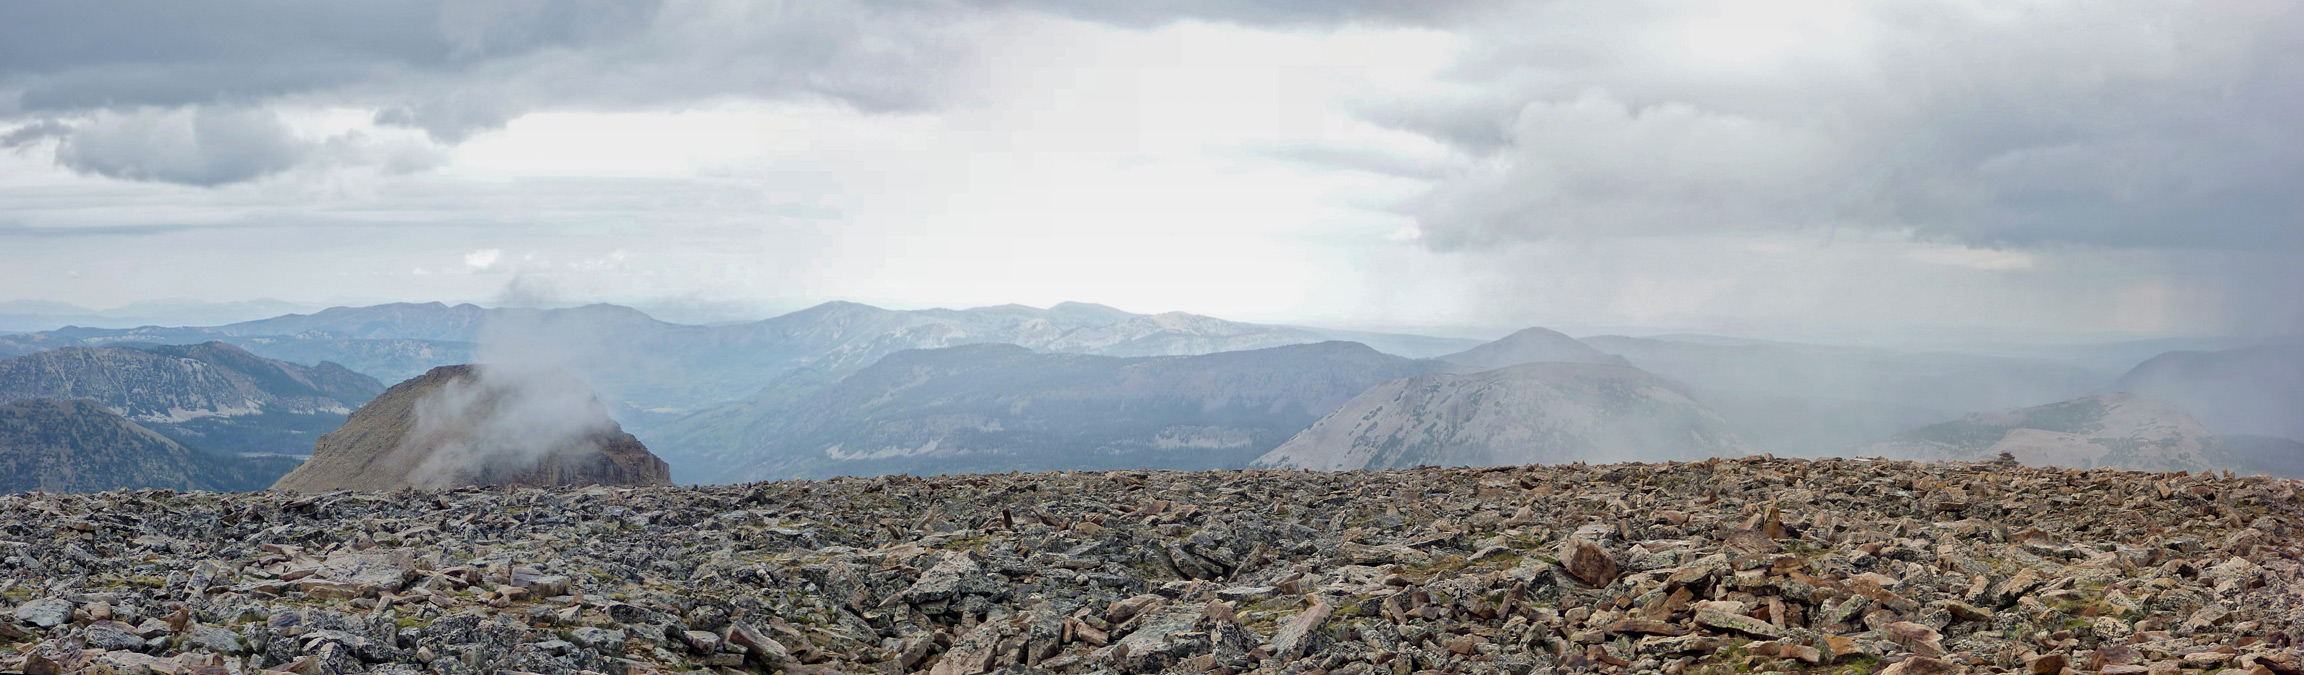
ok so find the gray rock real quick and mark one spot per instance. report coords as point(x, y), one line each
point(115, 636)
point(610, 642)
point(45, 612)
point(214, 639)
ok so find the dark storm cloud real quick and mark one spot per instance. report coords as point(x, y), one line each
point(2112, 124)
point(452, 69)
point(2124, 124)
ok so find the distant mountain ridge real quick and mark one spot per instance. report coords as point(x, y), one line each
point(996, 407)
point(1532, 345)
point(213, 395)
point(674, 368)
point(1548, 413)
point(2252, 391)
point(2121, 430)
point(1816, 400)
point(79, 446)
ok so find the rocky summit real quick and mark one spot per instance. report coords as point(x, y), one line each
point(478, 425)
point(1711, 567)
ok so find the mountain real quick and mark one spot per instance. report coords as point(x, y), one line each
point(1532, 345)
point(662, 370)
point(79, 446)
point(478, 425)
point(212, 396)
point(2123, 431)
point(1399, 344)
point(2251, 391)
point(1002, 407)
point(2263, 455)
point(1817, 400)
point(1549, 413)
point(37, 315)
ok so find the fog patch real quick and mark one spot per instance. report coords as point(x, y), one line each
point(504, 419)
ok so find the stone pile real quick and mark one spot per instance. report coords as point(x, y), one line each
point(1715, 567)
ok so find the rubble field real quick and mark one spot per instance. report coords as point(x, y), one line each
point(1714, 567)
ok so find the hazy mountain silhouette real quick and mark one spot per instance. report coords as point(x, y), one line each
point(1004, 407)
point(1548, 413)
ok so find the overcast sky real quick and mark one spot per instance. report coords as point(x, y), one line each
point(2089, 168)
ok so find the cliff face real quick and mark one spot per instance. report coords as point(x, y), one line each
point(478, 425)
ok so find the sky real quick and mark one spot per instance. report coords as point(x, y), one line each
point(1793, 168)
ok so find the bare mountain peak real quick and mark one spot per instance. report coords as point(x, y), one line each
point(1528, 413)
point(1531, 345)
point(479, 425)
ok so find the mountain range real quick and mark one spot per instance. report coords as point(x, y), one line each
point(658, 370)
point(845, 388)
point(213, 396)
point(1004, 407)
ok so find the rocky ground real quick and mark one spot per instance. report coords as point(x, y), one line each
point(1832, 566)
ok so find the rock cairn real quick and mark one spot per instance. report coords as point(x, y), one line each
point(1715, 567)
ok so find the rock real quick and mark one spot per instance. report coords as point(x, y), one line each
point(702, 642)
point(1738, 623)
point(1588, 563)
point(114, 636)
point(941, 582)
point(213, 639)
point(770, 652)
point(1920, 639)
point(1919, 665)
point(1294, 639)
point(2045, 664)
point(45, 612)
point(602, 640)
point(1165, 639)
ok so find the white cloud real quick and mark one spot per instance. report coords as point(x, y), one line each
point(483, 259)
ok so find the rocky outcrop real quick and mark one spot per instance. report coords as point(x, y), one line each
point(1538, 412)
point(479, 425)
point(1720, 566)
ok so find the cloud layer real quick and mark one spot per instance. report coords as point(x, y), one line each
point(1635, 161)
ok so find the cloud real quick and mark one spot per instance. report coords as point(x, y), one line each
point(200, 146)
point(454, 69)
point(2120, 124)
point(33, 133)
point(483, 259)
point(209, 146)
